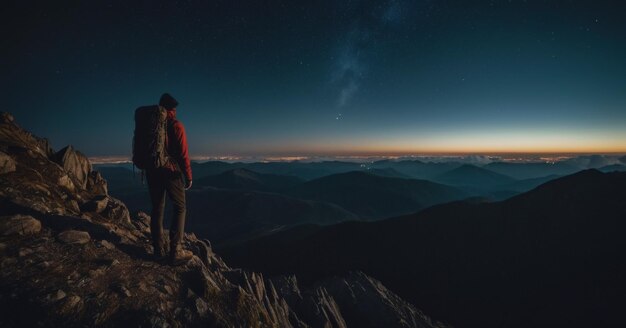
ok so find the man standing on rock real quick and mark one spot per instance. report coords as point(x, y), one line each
point(171, 178)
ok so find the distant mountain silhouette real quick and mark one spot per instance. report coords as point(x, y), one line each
point(592, 161)
point(553, 256)
point(527, 184)
point(417, 169)
point(531, 170)
point(388, 172)
point(305, 170)
point(302, 170)
point(205, 169)
point(244, 179)
point(410, 168)
point(470, 175)
point(371, 196)
point(613, 168)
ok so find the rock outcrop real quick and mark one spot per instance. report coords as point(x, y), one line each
point(75, 163)
point(73, 256)
point(19, 225)
point(96, 183)
point(360, 294)
point(7, 164)
point(14, 137)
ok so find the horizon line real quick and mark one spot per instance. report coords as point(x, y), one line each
point(495, 156)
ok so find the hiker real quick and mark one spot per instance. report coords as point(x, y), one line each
point(160, 148)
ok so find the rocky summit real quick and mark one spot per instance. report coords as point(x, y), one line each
point(72, 255)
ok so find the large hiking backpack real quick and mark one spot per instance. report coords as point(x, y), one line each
point(149, 149)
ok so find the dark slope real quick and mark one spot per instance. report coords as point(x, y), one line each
point(371, 196)
point(244, 179)
point(242, 211)
point(531, 170)
point(528, 184)
point(552, 256)
point(470, 175)
point(224, 215)
point(232, 215)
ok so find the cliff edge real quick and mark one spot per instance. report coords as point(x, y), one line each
point(72, 255)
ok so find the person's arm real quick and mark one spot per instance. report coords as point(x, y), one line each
point(183, 159)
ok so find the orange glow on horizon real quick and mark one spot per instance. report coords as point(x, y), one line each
point(504, 142)
point(390, 150)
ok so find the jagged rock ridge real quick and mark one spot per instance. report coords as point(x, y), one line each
point(74, 256)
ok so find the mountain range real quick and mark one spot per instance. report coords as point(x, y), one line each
point(241, 204)
point(293, 193)
point(245, 179)
point(471, 175)
point(549, 257)
point(374, 197)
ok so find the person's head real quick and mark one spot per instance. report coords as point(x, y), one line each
point(168, 101)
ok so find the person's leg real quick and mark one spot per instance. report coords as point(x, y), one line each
point(176, 192)
point(156, 185)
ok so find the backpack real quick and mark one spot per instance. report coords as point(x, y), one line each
point(149, 149)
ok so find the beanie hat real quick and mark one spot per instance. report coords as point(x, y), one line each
point(168, 101)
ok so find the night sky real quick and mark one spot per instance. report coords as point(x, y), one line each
point(323, 77)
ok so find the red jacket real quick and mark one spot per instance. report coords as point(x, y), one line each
point(177, 146)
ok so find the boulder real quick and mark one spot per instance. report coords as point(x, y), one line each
point(72, 302)
point(7, 163)
point(72, 206)
point(117, 211)
point(74, 237)
point(97, 204)
point(96, 184)
point(59, 295)
point(65, 182)
point(142, 222)
point(74, 163)
point(19, 225)
point(106, 244)
point(201, 306)
point(25, 251)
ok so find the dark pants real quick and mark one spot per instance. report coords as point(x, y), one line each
point(161, 182)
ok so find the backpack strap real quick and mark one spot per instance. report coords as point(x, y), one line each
point(142, 174)
point(172, 160)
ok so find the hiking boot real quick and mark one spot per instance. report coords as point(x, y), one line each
point(160, 253)
point(179, 256)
